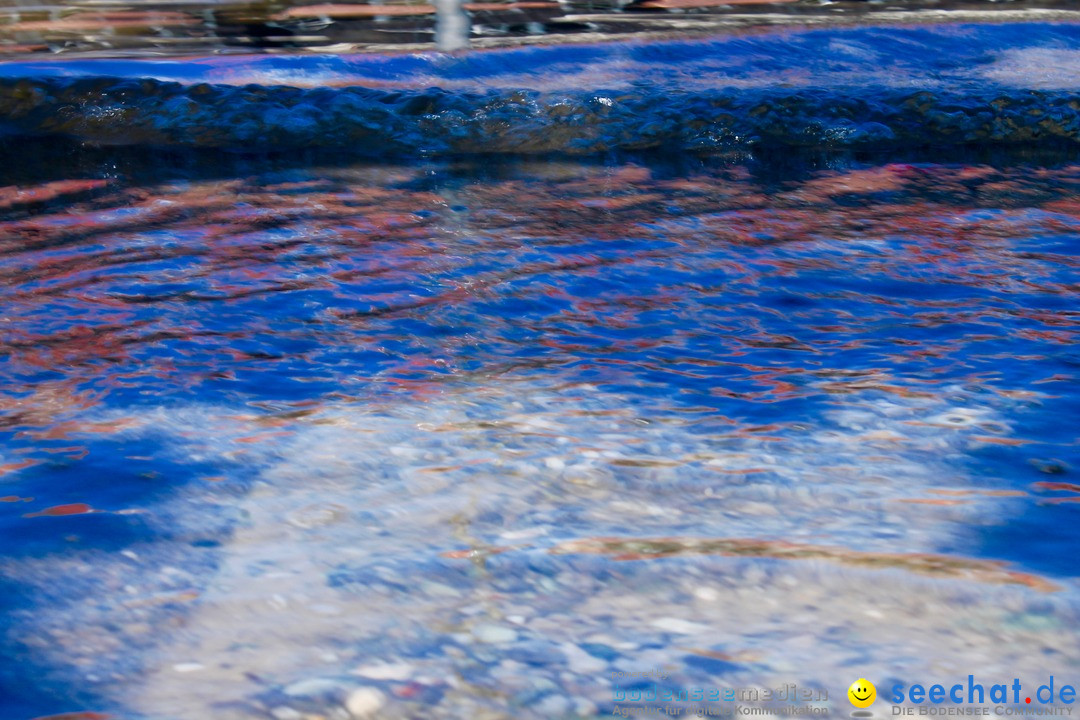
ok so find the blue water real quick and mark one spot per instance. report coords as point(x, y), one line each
point(862, 87)
point(401, 401)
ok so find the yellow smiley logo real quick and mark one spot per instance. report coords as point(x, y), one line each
point(862, 693)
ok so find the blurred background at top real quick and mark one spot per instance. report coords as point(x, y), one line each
point(177, 28)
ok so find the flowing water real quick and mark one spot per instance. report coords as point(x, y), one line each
point(358, 399)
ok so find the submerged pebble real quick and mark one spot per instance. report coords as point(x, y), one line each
point(364, 703)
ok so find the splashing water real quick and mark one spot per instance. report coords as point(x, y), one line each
point(867, 88)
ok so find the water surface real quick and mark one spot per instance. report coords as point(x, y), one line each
point(478, 433)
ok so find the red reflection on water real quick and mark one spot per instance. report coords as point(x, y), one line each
point(63, 510)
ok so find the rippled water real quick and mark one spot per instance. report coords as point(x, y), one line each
point(872, 88)
point(478, 433)
point(468, 386)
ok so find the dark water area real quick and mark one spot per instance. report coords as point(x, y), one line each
point(467, 435)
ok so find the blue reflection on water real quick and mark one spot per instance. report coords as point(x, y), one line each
point(739, 300)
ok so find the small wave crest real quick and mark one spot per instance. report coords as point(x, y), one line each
point(848, 90)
